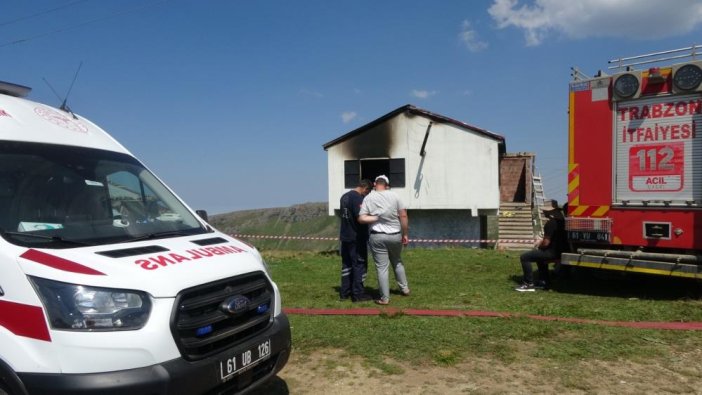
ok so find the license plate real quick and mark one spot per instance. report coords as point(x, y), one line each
point(580, 235)
point(240, 362)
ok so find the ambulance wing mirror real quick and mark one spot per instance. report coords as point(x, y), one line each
point(202, 214)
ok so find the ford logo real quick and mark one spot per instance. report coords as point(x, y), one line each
point(235, 304)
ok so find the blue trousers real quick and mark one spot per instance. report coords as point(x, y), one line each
point(542, 258)
point(354, 265)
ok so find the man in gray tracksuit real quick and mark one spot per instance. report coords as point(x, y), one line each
point(386, 217)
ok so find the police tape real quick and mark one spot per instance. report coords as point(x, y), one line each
point(447, 241)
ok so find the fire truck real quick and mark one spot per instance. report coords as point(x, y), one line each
point(635, 166)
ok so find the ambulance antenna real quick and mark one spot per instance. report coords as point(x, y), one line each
point(51, 87)
point(64, 105)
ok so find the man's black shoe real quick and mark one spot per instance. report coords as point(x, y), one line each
point(362, 298)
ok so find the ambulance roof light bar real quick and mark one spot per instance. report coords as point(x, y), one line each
point(623, 63)
point(16, 90)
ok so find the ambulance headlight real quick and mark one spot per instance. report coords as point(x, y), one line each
point(80, 307)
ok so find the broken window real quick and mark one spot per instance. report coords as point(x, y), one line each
point(356, 170)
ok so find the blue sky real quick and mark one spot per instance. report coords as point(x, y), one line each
point(229, 102)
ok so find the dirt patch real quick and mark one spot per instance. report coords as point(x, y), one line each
point(335, 372)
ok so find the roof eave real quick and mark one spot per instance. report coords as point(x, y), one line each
point(417, 111)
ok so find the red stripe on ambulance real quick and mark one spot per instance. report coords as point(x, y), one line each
point(24, 320)
point(58, 263)
point(164, 260)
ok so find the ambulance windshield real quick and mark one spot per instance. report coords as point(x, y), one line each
point(55, 196)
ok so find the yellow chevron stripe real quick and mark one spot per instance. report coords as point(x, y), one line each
point(601, 211)
point(574, 184)
point(580, 209)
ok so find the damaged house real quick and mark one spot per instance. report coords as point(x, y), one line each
point(446, 171)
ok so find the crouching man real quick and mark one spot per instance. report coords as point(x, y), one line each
point(546, 250)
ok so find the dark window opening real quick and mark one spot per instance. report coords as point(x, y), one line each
point(356, 170)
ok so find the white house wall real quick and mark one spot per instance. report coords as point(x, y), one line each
point(459, 170)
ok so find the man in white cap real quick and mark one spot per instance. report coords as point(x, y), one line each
point(386, 217)
point(546, 249)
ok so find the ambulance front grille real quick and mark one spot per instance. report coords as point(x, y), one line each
point(215, 316)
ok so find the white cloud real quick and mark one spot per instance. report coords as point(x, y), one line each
point(348, 116)
point(469, 37)
point(638, 19)
point(423, 94)
point(310, 93)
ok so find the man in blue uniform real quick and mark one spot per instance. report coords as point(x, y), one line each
point(354, 244)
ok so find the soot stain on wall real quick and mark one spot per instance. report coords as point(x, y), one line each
point(374, 143)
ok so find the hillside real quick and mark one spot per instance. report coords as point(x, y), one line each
point(307, 219)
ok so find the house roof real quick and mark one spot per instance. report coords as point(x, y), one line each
point(417, 111)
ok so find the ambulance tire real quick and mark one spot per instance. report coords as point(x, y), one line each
point(10, 384)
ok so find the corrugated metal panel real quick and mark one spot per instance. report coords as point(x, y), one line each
point(658, 151)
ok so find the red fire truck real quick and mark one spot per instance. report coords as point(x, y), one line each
point(635, 166)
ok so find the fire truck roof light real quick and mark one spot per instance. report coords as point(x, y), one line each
point(655, 76)
point(626, 85)
point(688, 77)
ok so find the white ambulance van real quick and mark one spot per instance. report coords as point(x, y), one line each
point(109, 283)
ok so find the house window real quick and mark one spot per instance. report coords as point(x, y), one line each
point(356, 170)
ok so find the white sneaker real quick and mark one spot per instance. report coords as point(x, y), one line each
point(526, 287)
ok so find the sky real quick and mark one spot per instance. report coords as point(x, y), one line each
point(230, 102)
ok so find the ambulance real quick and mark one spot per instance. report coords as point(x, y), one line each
point(635, 166)
point(109, 283)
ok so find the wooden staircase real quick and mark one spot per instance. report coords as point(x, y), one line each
point(515, 222)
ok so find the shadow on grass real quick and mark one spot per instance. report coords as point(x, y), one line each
point(274, 386)
point(366, 289)
point(572, 280)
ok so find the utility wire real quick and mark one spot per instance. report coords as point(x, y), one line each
point(24, 18)
point(71, 27)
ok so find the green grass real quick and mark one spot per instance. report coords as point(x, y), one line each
point(470, 279)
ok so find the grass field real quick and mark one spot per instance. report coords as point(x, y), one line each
point(471, 279)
